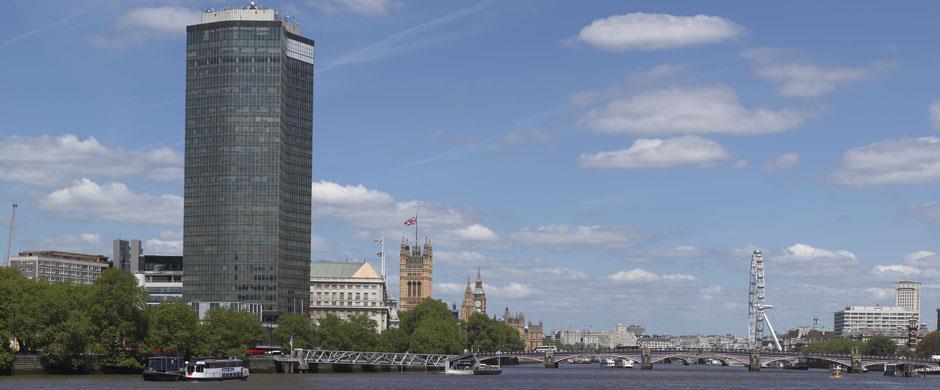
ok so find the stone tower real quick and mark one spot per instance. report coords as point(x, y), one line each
point(415, 274)
point(474, 300)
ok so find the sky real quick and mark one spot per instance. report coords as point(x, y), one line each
point(600, 162)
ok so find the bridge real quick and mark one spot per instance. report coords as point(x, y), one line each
point(301, 360)
point(754, 359)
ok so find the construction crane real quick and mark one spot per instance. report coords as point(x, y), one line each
point(10, 235)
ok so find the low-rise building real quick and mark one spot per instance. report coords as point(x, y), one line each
point(853, 319)
point(161, 277)
point(345, 289)
point(56, 266)
point(797, 339)
point(657, 342)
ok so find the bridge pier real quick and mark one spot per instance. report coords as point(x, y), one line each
point(646, 359)
point(754, 360)
point(856, 361)
point(550, 359)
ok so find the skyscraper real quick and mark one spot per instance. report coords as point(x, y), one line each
point(126, 255)
point(907, 295)
point(249, 137)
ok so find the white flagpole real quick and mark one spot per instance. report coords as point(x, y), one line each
point(383, 257)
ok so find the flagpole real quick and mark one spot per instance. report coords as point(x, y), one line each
point(383, 257)
point(416, 231)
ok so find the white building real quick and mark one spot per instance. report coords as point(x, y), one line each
point(595, 339)
point(55, 266)
point(658, 342)
point(620, 336)
point(161, 277)
point(872, 318)
point(907, 295)
point(345, 289)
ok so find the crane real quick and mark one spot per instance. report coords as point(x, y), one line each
point(10, 235)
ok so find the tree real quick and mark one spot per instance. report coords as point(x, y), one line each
point(879, 346)
point(360, 331)
point(332, 334)
point(929, 345)
point(435, 336)
point(117, 307)
point(489, 335)
point(69, 343)
point(840, 346)
point(393, 340)
point(428, 309)
point(174, 328)
point(298, 326)
point(6, 355)
point(21, 308)
point(231, 332)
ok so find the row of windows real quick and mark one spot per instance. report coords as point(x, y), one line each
point(235, 59)
point(216, 81)
point(215, 50)
point(242, 34)
point(347, 303)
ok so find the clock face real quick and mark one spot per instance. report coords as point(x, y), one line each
point(477, 303)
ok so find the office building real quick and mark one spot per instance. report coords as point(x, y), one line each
point(161, 277)
point(907, 295)
point(347, 289)
point(856, 319)
point(57, 267)
point(415, 275)
point(249, 134)
point(126, 255)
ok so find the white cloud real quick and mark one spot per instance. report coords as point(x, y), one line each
point(448, 288)
point(85, 199)
point(542, 274)
point(565, 236)
point(880, 293)
point(164, 20)
point(642, 31)
point(684, 151)
point(893, 161)
point(362, 7)
point(459, 258)
point(800, 77)
point(511, 290)
point(641, 276)
point(805, 254)
point(656, 74)
point(698, 110)
point(319, 244)
point(368, 208)
point(922, 259)
point(89, 243)
point(934, 111)
point(896, 269)
point(47, 160)
point(782, 162)
point(169, 242)
point(930, 211)
point(475, 232)
point(147, 23)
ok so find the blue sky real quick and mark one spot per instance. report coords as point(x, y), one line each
point(601, 162)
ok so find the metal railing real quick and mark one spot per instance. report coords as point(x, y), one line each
point(320, 356)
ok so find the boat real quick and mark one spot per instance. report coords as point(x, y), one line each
point(467, 364)
point(608, 363)
point(624, 363)
point(216, 370)
point(582, 360)
point(164, 369)
point(837, 372)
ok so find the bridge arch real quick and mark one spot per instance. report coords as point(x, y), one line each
point(684, 356)
point(844, 362)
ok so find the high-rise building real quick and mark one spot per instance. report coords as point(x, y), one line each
point(249, 136)
point(415, 275)
point(907, 295)
point(126, 255)
point(474, 299)
point(872, 318)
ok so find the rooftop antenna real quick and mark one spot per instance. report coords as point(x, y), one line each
point(10, 236)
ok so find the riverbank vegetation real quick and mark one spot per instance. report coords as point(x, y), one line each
point(108, 327)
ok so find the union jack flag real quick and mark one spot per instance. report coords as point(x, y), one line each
point(411, 221)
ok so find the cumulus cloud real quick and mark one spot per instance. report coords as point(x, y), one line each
point(656, 74)
point(896, 269)
point(84, 199)
point(475, 232)
point(782, 162)
point(362, 7)
point(89, 243)
point(47, 160)
point(641, 276)
point(934, 111)
point(642, 31)
point(449, 288)
point(169, 242)
point(694, 110)
point(805, 254)
point(684, 151)
point(368, 208)
point(880, 293)
point(922, 259)
point(459, 258)
point(511, 290)
point(798, 76)
point(566, 236)
point(147, 23)
point(893, 161)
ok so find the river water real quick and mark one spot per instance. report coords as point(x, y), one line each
point(518, 377)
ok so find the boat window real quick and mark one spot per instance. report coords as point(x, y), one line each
point(199, 368)
point(190, 369)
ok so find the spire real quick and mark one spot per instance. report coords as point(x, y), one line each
point(479, 279)
point(469, 290)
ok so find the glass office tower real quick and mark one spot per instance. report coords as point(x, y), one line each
point(249, 146)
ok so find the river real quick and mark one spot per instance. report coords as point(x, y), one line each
point(517, 377)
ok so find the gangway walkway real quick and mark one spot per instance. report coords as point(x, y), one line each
point(320, 356)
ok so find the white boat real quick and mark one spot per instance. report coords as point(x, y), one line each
point(216, 370)
point(624, 363)
point(469, 365)
point(608, 362)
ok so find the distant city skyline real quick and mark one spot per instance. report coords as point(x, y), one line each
point(598, 172)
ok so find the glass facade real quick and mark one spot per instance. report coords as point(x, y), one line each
point(249, 145)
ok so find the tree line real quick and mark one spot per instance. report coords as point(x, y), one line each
point(878, 346)
point(66, 324)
